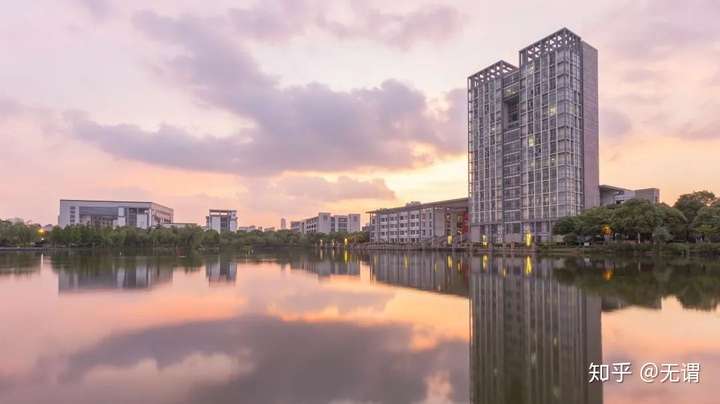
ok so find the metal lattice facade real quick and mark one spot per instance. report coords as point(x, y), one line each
point(532, 140)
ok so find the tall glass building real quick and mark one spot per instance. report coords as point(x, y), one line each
point(533, 140)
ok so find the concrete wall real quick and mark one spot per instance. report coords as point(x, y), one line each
point(591, 161)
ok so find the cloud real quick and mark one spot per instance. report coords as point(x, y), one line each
point(345, 188)
point(299, 128)
point(334, 356)
point(614, 123)
point(99, 9)
point(659, 28)
point(433, 23)
point(281, 20)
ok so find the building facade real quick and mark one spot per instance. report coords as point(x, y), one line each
point(221, 220)
point(610, 195)
point(533, 140)
point(415, 222)
point(327, 223)
point(143, 215)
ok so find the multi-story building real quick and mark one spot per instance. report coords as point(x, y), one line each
point(142, 215)
point(610, 195)
point(533, 140)
point(283, 224)
point(326, 223)
point(221, 220)
point(418, 222)
point(248, 229)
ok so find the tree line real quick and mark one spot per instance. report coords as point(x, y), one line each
point(191, 237)
point(695, 217)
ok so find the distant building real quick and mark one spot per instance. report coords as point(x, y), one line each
point(178, 225)
point(247, 229)
point(611, 195)
point(326, 223)
point(222, 220)
point(416, 222)
point(142, 215)
point(268, 229)
point(283, 224)
point(533, 140)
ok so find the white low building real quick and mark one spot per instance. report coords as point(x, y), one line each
point(327, 223)
point(417, 222)
point(142, 215)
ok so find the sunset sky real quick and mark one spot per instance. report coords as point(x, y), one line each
point(283, 108)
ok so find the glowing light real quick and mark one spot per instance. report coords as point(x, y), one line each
point(608, 274)
point(484, 240)
point(485, 263)
point(528, 239)
point(606, 230)
point(449, 240)
point(449, 262)
point(528, 265)
point(346, 241)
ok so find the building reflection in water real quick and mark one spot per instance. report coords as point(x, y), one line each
point(532, 338)
point(430, 271)
point(221, 269)
point(328, 263)
point(135, 273)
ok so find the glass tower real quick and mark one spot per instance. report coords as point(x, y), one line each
point(533, 140)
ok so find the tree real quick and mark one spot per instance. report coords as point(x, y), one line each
point(707, 223)
point(593, 222)
point(690, 204)
point(661, 235)
point(673, 220)
point(635, 218)
point(566, 225)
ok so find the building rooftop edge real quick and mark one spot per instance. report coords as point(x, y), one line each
point(112, 201)
point(422, 205)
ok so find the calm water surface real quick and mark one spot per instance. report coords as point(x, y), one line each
point(311, 327)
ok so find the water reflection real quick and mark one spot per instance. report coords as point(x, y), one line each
point(221, 269)
point(644, 282)
point(19, 263)
point(375, 329)
point(532, 338)
point(125, 273)
point(441, 273)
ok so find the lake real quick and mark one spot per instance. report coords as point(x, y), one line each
point(346, 327)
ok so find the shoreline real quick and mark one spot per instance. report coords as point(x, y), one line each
point(672, 249)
